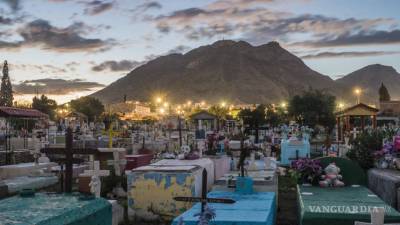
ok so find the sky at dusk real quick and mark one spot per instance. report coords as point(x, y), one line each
point(69, 48)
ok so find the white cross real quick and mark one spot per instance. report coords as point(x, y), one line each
point(116, 163)
point(96, 171)
point(354, 132)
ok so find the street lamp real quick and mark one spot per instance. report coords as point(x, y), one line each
point(357, 92)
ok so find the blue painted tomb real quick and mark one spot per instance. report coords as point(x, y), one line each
point(256, 209)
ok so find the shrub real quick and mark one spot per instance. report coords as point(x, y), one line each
point(306, 170)
point(364, 146)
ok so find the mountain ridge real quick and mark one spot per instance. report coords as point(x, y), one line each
point(234, 71)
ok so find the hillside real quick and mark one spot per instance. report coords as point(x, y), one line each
point(226, 70)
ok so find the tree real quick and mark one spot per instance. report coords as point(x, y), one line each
point(220, 112)
point(90, 106)
point(45, 105)
point(313, 108)
point(383, 93)
point(254, 118)
point(6, 93)
point(275, 115)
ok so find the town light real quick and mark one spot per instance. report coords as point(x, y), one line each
point(340, 105)
point(223, 104)
point(165, 104)
point(357, 92)
point(158, 100)
point(283, 104)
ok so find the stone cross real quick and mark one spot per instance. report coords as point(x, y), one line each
point(116, 162)
point(354, 132)
point(203, 199)
point(377, 217)
point(96, 173)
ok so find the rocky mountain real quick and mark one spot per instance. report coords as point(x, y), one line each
point(238, 72)
point(369, 79)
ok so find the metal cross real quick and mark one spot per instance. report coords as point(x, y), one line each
point(203, 199)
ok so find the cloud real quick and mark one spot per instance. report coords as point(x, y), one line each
point(128, 65)
point(178, 49)
point(5, 20)
point(257, 24)
point(14, 5)
point(55, 86)
point(147, 6)
point(46, 69)
point(348, 54)
point(42, 33)
point(97, 7)
point(360, 38)
point(115, 66)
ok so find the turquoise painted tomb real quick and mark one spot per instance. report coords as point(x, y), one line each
point(256, 208)
point(55, 209)
point(292, 148)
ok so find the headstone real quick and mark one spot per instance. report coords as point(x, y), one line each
point(117, 162)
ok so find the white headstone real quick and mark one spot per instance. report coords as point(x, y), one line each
point(116, 162)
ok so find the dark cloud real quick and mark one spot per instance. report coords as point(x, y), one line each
point(140, 10)
point(111, 65)
point(347, 54)
point(128, 65)
point(178, 49)
point(97, 7)
point(5, 21)
point(42, 33)
point(361, 38)
point(54, 86)
point(147, 6)
point(14, 5)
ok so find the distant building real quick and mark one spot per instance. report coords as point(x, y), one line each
point(132, 110)
point(389, 112)
point(142, 109)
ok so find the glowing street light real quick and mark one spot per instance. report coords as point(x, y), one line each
point(340, 106)
point(189, 103)
point(357, 92)
point(223, 104)
point(162, 110)
point(165, 104)
point(158, 100)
